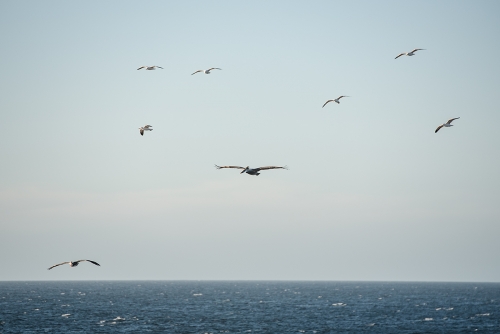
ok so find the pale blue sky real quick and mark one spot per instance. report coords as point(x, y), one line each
point(372, 192)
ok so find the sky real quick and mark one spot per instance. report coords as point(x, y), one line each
point(371, 194)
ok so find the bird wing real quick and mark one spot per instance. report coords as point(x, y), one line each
point(451, 120)
point(341, 96)
point(55, 265)
point(214, 68)
point(141, 132)
point(159, 67)
point(93, 262)
point(147, 126)
point(399, 55)
point(326, 103)
point(415, 50)
point(220, 167)
point(270, 167)
point(197, 72)
point(439, 127)
point(142, 67)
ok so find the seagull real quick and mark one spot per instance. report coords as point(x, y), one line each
point(150, 68)
point(207, 71)
point(75, 263)
point(145, 128)
point(336, 100)
point(411, 53)
point(447, 124)
point(252, 171)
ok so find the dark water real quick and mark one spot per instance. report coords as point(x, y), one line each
point(248, 307)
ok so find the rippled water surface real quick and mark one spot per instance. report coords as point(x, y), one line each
point(248, 307)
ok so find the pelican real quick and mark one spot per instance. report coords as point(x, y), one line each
point(447, 124)
point(207, 71)
point(411, 53)
point(75, 263)
point(145, 128)
point(336, 100)
point(150, 68)
point(252, 171)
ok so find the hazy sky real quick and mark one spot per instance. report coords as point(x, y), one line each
point(372, 192)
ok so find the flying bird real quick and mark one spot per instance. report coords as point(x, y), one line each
point(411, 53)
point(447, 124)
point(207, 71)
point(150, 68)
point(252, 171)
point(75, 263)
point(336, 100)
point(145, 128)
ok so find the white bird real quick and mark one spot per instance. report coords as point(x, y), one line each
point(150, 68)
point(75, 263)
point(411, 53)
point(145, 128)
point(336, 100)
point(207, 71)
point(252, 171)
point(447, 124)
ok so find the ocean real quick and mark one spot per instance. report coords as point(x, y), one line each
point(209, 307)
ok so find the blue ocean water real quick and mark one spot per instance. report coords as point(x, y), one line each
point(248, 307)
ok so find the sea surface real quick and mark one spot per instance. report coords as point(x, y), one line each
point(248, 307)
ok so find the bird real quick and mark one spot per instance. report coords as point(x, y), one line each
point(75, 263)
point(145, 128)
point(252, 171)
point(150, 68)
point(336, 100)
point(411, 53)
point(447, 124)
point(207, 71)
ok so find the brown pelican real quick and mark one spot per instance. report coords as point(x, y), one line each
point(336, 100)
point(74, 263)
point(252, 171)
point(447, 124)
point(150, 68)
point(411, 53)
point(145, 128)
point(207, 71)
